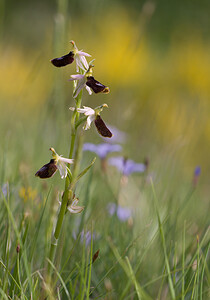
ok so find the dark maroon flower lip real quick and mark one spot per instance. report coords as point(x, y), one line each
point(102, 128)
point(96, 86)
point(47, 170)
point(63, 60)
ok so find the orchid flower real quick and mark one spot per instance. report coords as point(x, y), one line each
point(89, 82)
point(94, 115)
point(79, 56)
point(57, 162)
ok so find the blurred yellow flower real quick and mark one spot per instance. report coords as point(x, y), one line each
point(27, 193)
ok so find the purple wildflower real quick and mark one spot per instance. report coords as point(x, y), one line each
point(123, 213)
point(87, 237)
point(5, 189)
point(102, 150)
point(197, 173)
point(126, 166)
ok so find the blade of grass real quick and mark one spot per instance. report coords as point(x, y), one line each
point(21, 244)
point(202, 271)
point(6, 255)
point(162, 282)
point(82, 270)
point(194, 294)
point(33, 246)
point(126, 269)
point(3, 294)
point(60, 278)
point(133, 278)
point(194, 257)
point(183, 261)
point(19, 254)
point(170, 282)
point(87, 200)
point(13, 279)
point(70, 253)
point(91, 262)
point(175, 263)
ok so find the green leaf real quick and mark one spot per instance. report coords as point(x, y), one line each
point(85, 170)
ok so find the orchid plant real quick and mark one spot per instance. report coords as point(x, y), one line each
point(83, 79)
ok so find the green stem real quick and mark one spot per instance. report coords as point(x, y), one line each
point(68, 193)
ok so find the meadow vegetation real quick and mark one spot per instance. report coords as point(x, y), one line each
point(141, 235)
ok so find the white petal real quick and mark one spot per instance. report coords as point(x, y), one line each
point(76, 77)
point(90, 119)
point(81, 63)
point(81, 84)
point(72, 108)
point(84, 62)
point(75, 209)
point(88, 89)
point(66, 160)
point(62, 169)
point(87, 111)
point(82, 110)
point(83, 53)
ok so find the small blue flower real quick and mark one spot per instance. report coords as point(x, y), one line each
point(102, 150)
point(126, 166)
point(197, 171)
point(196, 176)
point(5, 189)
point(123, 213)
point(85, 236)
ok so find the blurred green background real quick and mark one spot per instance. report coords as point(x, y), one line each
point(154, 56)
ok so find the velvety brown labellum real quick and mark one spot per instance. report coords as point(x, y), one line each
point(47, 170)
point(63, 60)
point(95, 256)
point(96, 86)
point(101, 127)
